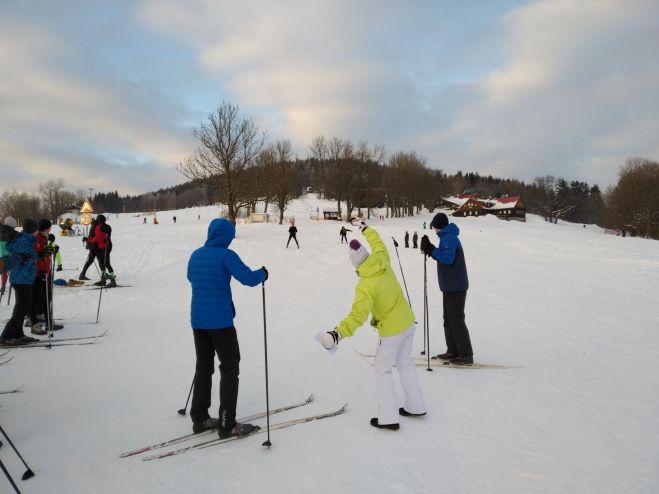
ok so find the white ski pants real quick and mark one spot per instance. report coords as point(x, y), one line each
point(397, 351)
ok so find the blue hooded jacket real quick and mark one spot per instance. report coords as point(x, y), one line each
point(210, 269)
point(26, 271)
point(451, 265)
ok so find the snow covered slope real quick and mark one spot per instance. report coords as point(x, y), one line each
point(575, 311)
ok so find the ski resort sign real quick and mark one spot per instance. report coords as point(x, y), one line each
point(86, 212)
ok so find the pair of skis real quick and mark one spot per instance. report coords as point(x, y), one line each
point(215, 441)
point(88, 340)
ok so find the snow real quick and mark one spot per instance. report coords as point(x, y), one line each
point(572, 309)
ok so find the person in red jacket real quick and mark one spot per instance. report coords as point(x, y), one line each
point(103, 240)
point(42, 288)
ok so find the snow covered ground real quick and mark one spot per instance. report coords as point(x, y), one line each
point(573, 310)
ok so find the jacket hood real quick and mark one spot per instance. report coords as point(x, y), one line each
point(451, 229)
point(221, 233)
point(372, 266)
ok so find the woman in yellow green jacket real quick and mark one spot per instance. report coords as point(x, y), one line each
point(379, 294)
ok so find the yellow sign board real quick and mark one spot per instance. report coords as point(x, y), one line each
point(86, 206)
point(85, 219)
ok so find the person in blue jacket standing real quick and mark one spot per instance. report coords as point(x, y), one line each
point(454, 283)
point(21, 278)
point(210, 270)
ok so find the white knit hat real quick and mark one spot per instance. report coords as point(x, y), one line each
point(10, 222)
point(357, 253)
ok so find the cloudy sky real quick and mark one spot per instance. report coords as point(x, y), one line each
point(106, 94)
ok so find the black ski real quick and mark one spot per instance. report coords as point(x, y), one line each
point(60, 341)
point(210, 432)
point(217, 441)
point(10, 391)
point(107, 287)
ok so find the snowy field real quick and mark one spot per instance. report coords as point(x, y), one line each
point(574, 311)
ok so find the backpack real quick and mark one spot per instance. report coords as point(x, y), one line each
point(8, 234)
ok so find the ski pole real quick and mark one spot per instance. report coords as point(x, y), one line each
point(401, 271)
point(426, 314)
point(182, 410)
point(28, 473)
point(9, 296)
point(267, 442)
point(100, 292)
point(11, 481)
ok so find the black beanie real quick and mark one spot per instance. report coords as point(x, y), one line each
point(30, 226)
point(439, 221)
point(44, 225)
point(100, 218)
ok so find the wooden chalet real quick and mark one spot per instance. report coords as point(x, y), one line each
point(465, 205)
point(508, 208)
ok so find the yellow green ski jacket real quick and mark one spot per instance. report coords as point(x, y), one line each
point(377, 292)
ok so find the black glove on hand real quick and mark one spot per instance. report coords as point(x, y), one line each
point(426, 246)
point(395, 243)
point(265, 271)
point(84, 240)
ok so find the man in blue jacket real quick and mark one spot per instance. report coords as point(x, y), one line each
point(453, 282)
point(21, 278)
point(210, 270)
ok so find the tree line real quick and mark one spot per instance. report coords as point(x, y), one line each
point(236, 167)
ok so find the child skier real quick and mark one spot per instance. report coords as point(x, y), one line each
point(378, 293)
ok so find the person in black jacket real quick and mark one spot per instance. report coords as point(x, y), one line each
point(343, 233)
point(407, 239)
point(454, 283)
point(92, 248)
point(292, 231)
point(415, 240)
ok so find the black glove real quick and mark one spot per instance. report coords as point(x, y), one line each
point(265, 271)
point(426, 246)
point(395, 243)
point(84, 240)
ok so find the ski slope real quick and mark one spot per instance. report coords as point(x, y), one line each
point(573, 310)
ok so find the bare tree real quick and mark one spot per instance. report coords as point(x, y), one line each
point(53, 198)
point(230, 144)
point(281, 175)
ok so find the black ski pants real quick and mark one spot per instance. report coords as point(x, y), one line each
point(14, 327)
point(90, 260)
point(292, 237)
point(224, 342)
point(344, 237)
point(455, 329)
point(42, 296)
point(104, 260)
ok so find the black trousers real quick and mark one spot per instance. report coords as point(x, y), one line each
point(344, 237)
point(455, 329)
point(90, 260)
point(41, 297)
point(292, 236)
point(104, 260)
point(14, 327)
point(207, 343)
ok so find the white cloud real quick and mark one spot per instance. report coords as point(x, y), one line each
point(50, 116)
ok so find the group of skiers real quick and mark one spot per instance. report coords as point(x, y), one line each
point(27, 261)
point(377, 293)
point(31, 277)
point(99, 245)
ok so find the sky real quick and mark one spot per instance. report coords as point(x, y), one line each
point(106, 94)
